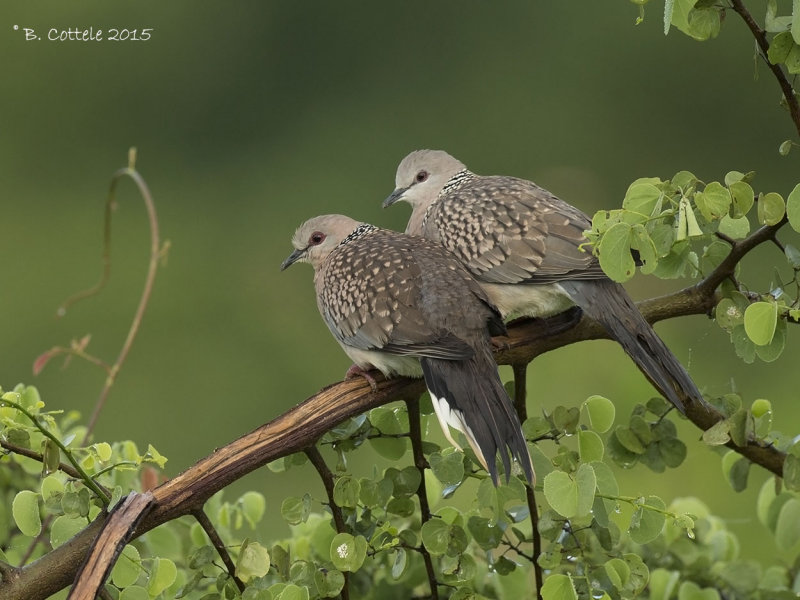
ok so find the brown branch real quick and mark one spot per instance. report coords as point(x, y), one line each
point(117, 530)
point(760, 36)
point(415, 433)
point(202, 518)
point(315, 456)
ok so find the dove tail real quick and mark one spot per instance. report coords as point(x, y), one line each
point(608, 303)
point(469, 397)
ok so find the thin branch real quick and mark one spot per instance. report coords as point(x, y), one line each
point(415, 432)
point(37, 456)
point(520, 395)
point(315, 456)
point(201, 517)
point(87, 480)
point(761, 39)
point(155, 249)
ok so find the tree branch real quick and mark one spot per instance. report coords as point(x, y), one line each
point(761, 39)
point(201, 517)
point(415, 433)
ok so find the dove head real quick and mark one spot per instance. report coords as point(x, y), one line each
point(316, 238)
point(421, 176)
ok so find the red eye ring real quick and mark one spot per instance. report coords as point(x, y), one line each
point(316, 238)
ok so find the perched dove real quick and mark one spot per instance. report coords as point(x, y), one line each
point(524, 246)
point(406, 306)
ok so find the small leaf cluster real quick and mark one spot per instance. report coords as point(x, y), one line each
point(684, 227)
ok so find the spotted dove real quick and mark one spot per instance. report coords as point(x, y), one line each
point(525, 247)
point(406, 306)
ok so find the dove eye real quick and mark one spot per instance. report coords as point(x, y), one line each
point(316, 238)
point(421, 176)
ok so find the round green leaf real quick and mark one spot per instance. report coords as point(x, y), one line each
point(347, 552)
point(134, 592)
point(641, 198)
point(713, 202)
point(559, 587)
point(647, 522)
point(615, 252)
point(64, 528)
point(296, 510)
point(448, 466)
point(587, 483)
point(561, 493)
point(52, 485)
point(390, 448)
point(618, 572)
point(346, 491)
point(435, 536)
point(590, 446)
point(253, 507)
point(736, 228)
point(162, 575)
point(774, 349)
point(793, 208)
point(329, 582)
point(485, 532)
point(127, 568)
point(760, 320)
point(601, 412)
point(253, 561)
point(25, 510)
point(743, 197)
point(770, 208)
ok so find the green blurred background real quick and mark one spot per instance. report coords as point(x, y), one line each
point(250, 117)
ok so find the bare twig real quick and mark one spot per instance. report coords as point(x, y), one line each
point(201, 517)
point(415, 432)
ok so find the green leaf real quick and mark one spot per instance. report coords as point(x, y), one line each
point(329, 582)
point(253, 561)
point(347, 552)
point(253, 506)
point(713, 202)
point(52, 485)
point(485, 532)
point(590, 446)
point(587, 483)
point(25, 510)
point(647, 523)
point(615, 252)
point(390, 448)
point(734, 228)
point(760, 320)
point(618, 572)
point(771, 208)
point(134, 592)
point(773, 23)
point(400, 563)
point(742, 196)
point(792, 255)
point(162, 575)
point(561, 493)
point(448, 466)
point(787, 530)
point(435, 536)
point(793, 207)
point(795, 30)
point(64, 528)
point(559, 587)
point(662, 583)
point(648, 253)
point(745, 348)
point(127, 568)
point(774, 349)
point(296, 510)
point(718, 434)
point(346, 491)
point(601, 412)
point(782, 44)
point(689, 590)
point(791, 472)
point(406, 482)
point(673, 452)
point(641, 198)
point(704, 23)
point(629, 440)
